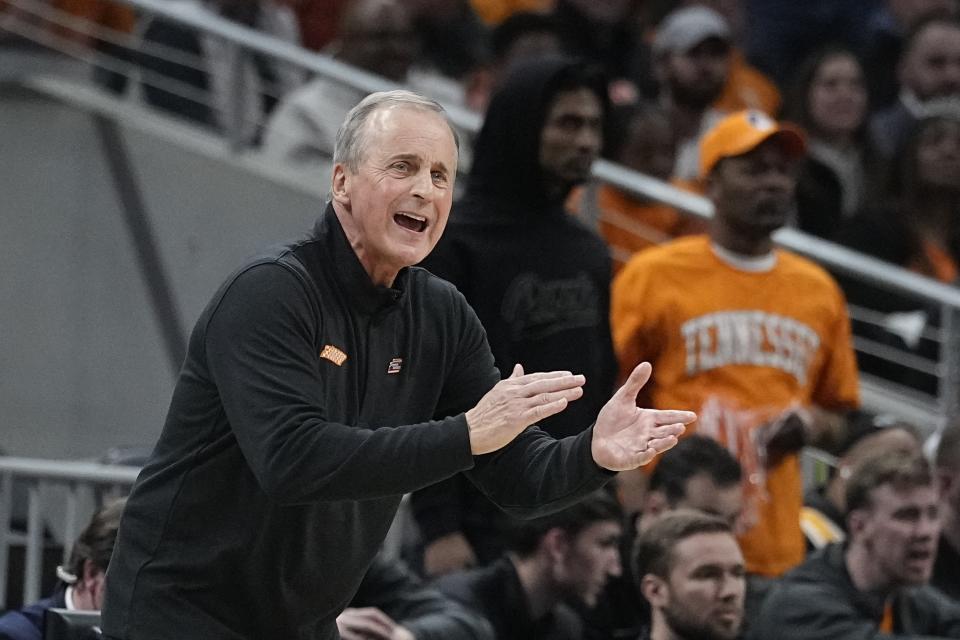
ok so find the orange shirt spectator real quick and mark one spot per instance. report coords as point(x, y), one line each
point(747, 88)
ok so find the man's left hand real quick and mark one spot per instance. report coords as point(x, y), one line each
point(626, 436)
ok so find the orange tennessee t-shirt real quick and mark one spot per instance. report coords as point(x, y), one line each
point(739, 348)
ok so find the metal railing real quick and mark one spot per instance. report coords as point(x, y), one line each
point(945, 367)
point(89, 484)
point(83, 483)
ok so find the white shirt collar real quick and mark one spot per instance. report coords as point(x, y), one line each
point(752, 264)
point(68, 598)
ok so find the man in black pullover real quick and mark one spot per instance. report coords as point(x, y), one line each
point(324, 380)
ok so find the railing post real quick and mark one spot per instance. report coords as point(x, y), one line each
point(69, 522)
point(33, 566)
point(234, 116)
point(6, 503)
point(949, 391)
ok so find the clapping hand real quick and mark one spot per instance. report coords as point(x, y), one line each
point(517, 402)
point(626, 436)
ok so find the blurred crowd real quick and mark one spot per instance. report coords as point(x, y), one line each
point(837, 117)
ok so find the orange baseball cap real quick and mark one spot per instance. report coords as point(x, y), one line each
point(742, 132)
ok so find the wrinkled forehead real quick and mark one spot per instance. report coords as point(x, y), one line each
point(393, 126)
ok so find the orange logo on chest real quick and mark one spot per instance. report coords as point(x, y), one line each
point(334, 355)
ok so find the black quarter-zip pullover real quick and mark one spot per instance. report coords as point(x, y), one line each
point(310, 401)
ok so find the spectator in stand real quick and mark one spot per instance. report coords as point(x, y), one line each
point(393, 604)
point(867, 435)
point(782, 33)
point(691, 60)
point(627, 221)
point(198, 84)
point(452, 39)
point(602, 33)
point(920, 230)
point(319, 21)
point(946, 570)
point(691, 571)
point(538, 279)
point(701, 475)
point(875, 585)
point(886, 28)
point(569, 555)
point(756, 338)
point(376, 36)
point(522, 36)
point(829, 100)
point(81, 580)
point(746, 87)
point(929, 71)
point(917, 229)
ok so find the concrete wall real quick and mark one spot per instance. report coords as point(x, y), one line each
point(82, 363)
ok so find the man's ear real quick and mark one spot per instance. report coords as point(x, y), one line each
point(655, 590)
point(556, 543)
point(340, 184)
point(857, 521)
point(91, 573)
point(945, 480)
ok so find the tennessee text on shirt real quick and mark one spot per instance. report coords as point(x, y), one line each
point(749, 337)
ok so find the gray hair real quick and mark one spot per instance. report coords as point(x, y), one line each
point(350, 143)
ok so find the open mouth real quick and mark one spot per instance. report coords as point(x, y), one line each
point(919, 554)
point(411, 221)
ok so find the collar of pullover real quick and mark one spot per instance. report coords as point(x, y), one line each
point(363, 294)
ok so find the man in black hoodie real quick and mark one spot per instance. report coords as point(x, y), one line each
point(537, 278)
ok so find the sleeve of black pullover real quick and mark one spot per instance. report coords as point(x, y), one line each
point(261, 354)
point(424, 611)
point(535, 474)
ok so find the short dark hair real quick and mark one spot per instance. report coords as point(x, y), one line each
point(95, 542)
point(693, 455)
point(948, 450)
point(523, 536)
point(579, 74)
point(889, 468)
point(653, 551)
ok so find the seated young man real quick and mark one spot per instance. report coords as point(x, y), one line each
point(393, 604)
point(875, 584)
point(569, 555)
point(80, 586)
point(691, 571)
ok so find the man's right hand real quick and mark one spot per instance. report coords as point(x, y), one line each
point(518, 402)
point(370, 623)
point(447, 554)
